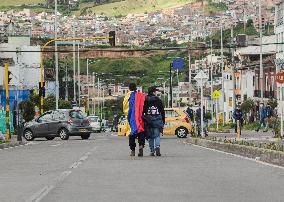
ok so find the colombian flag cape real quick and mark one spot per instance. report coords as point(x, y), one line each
point(133, 104)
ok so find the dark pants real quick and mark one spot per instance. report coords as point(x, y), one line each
point(141, 140)
point(236, 127)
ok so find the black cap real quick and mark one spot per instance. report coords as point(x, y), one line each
point(132, 87)
point(152, 89)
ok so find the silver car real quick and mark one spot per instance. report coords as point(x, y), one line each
point(95, 123)
point(58, 123)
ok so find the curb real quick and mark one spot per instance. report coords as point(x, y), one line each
point(11, 144)
point(265, 155)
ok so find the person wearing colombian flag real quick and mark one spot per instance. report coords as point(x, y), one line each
point(133, 104)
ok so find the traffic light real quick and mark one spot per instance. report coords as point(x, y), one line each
point(41, 89)
point(9, 77)
point(112, 39)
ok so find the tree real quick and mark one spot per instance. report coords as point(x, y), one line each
point(27, 108)
point(247, 108)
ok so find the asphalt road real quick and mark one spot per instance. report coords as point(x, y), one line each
point(100, 169)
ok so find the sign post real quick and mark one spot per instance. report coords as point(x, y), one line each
point(280, 81)
point(216, 94)
point(201, 79)
point(178, 64)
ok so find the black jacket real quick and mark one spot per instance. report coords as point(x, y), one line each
point(153, 107)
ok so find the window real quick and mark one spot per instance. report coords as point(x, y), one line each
point(171, 113)
point(94, 119)
point(45, 117)
point(58, 115)
point(77, 115)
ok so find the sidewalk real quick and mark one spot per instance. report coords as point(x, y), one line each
point(250, 136)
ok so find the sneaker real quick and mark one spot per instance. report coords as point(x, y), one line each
point(158, 152)
point(132, 153)
point(152, 154)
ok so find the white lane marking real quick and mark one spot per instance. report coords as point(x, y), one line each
point(55, 145)
point(38, 196)
point(242, 157)
point(114, 134)
point(32, 143)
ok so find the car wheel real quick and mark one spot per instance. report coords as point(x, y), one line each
point(181, 132)
point(85, 137)
point(63, 134)
point(28, 135)
point(49, 138)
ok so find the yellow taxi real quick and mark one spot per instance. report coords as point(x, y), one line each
point(177, 123)
point(121, 128)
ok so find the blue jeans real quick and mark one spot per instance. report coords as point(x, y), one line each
point(155, 140)
point(261, 123)
point(198, 124)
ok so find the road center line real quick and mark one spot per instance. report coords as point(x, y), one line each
point(239, 156)
point(38, 196)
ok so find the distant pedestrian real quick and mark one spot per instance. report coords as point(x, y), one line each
point(238, 116)
point(154, 116)
point(262, 117)
point(133, 104)
point(114, 123)
point(198, 122)
point(190, 113)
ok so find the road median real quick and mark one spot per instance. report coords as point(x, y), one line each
point(265, 155)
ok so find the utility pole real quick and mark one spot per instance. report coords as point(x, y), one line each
point(178, 99)
point(189, 73)
point(98, 96)
point(94, 95)
point(222, 65)
point(260, 41)
point(74, 65)
point(66, 79)
point(88, 105)
point(8, 134)
point(79, 80)
point(171, 87)
point(211, 77)
point(56, 58)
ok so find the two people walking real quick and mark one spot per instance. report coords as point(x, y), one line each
point(145, 117)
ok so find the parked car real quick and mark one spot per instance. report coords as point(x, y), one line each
point(95, 123)
point(121, 128)
point(58, 123)
point(177, 123)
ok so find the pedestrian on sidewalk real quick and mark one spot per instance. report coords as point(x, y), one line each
point(190, 113)
point(262, 117)
point(133, 104)
point(238, 116)
point(198, 122)
point(154, 117)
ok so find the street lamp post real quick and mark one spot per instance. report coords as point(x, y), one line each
point(260, 41)
point(56, 58)
point(79, 80)
point(94, 101)
point(88, 105)
point(171, 86)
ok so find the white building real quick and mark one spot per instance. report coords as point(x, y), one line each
point(24, 62)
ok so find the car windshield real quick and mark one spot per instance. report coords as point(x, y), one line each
point(93, 119)
point(77, 115)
